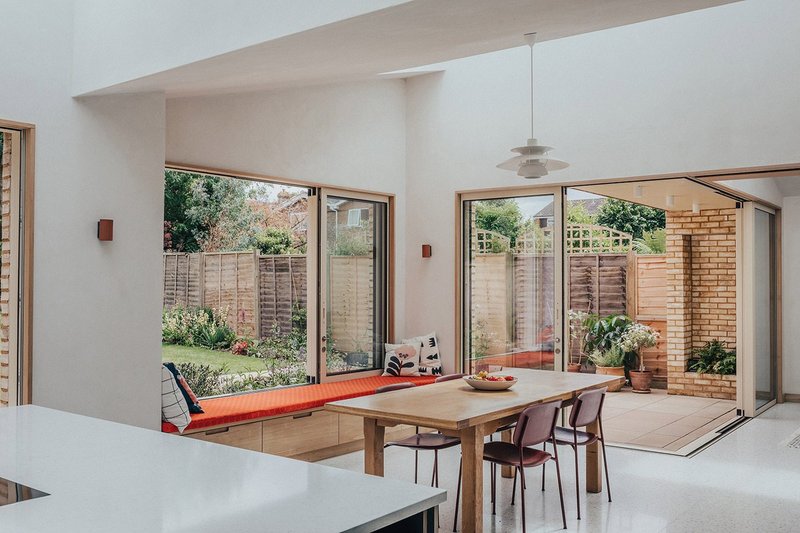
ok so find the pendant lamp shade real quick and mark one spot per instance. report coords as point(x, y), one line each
point(532, 160)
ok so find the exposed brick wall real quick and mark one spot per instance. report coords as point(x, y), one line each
point(5, 263)
point(701, 296)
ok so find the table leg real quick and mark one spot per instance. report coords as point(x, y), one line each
point(594, 462)
point(472, 480)
point(506, 471)
point(373, 447)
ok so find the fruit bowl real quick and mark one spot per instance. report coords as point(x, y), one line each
point(483, 381)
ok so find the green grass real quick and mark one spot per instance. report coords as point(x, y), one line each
point(236, 364)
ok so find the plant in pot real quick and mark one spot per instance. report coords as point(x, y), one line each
point(577, 334)
point(636, 337)
point(713, 358)
point(610, 362)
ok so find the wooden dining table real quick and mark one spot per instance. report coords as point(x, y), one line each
point(454, 408)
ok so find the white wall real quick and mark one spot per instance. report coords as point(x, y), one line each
point(706, 90)
point(96, 305)
point(127, 39)
point(341, 135)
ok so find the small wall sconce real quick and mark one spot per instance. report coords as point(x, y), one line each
point(105, 229)
point(426, 250)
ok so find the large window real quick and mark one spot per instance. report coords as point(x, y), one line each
point(270, 284)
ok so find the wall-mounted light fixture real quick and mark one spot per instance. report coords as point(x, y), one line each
point(426, 250)
point(696, 208)
point(670, 201)
point(638, 191)
point(105, 229)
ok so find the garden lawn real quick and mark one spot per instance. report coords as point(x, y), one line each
point(236, 364)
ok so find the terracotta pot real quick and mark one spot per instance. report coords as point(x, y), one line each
point(573, 367)
point(613, 371)
point(640, 380)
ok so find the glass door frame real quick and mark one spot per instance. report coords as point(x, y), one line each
point(559, 328)
point(747, 271)
point(319, 325)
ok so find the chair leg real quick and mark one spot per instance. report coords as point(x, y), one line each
point(435, 476)
point(458, 493)
point(577, 482)
point(494, 488)
point(514, 487)
point(416, 465)
point(605, 466)
point(522, 495)
point(544, 449)
point(560, 490)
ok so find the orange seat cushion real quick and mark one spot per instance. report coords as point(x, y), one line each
point(231, 409)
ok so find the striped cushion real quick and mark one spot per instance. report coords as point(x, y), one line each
point(230, 409)
point(174, 410)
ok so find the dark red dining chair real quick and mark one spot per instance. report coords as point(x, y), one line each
point(536, 425)
point(426, 441)
point(587, 410)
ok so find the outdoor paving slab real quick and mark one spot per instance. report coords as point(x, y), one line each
point(654, 440)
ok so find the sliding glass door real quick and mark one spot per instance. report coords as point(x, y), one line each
point(512, 281)
point(354, 271)
point(760, 314)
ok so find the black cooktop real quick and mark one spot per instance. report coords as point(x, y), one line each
point(13, 492)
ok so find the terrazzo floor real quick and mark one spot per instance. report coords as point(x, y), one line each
point(746, 481)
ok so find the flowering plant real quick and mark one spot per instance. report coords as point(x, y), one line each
point(636, 337)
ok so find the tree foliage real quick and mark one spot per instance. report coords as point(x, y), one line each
point(208, 213)
point(578, 214)
point(630, 218)
point(501, 215)
point(275, 241)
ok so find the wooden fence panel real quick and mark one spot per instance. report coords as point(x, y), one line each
point(491, 300)
point(282, 286)
point(598, 283)
point(350, 299)
point(534, 299)
point(230, 283)
point(182, 275)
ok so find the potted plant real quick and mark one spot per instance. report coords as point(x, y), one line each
point(610, 362)
point(636, 337)
point(577, 332)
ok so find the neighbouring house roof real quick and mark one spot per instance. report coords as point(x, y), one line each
point(592, 206)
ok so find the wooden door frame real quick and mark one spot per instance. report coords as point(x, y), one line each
point(21, 279)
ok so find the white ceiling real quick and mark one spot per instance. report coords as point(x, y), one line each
point(654, 193)
point(416, 33)
point(788, 185)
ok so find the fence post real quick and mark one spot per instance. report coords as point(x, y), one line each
point(201, 279)
point(631, 288)
point(257, 294)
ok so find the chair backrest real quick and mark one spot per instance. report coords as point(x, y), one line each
point(449, 377)
point(536, 424)
point(395, 386)
point(587, 407)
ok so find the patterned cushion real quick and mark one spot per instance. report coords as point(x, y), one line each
point(430, 362)
point(186, 390)
point(402, 359)
point(173, 406)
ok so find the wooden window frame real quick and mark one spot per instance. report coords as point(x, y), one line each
point(22, 263)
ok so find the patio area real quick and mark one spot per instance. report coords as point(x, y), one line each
point(666, 423)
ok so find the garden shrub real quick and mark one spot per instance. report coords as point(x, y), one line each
point(197, 327)
point(713, 358)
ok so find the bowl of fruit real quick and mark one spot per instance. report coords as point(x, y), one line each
point(486, 381)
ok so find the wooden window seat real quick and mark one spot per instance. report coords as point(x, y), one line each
point(291, 421)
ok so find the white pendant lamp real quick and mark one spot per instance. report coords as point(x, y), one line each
point(532, 161)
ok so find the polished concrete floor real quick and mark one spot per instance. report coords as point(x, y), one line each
point(745, 482)
point(675, 424)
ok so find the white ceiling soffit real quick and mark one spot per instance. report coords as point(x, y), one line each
point(685, 194)
point(421, 32)
point(788, 185)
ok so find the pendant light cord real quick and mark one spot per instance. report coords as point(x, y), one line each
point(530, 38)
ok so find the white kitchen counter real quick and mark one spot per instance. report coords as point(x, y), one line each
point(103, 476)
